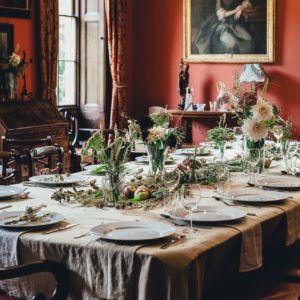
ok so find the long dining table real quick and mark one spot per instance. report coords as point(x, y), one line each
point(101, 269)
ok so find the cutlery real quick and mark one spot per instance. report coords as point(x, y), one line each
point(82, 235)
point(251, 214)
point(4, 207)
point(172, 241)
point(228, 202)
point(59, 229)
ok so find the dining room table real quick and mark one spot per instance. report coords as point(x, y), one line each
point(183, 265)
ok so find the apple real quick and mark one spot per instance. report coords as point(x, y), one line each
point(267, 163)
point(142, 193)
point(129, 191)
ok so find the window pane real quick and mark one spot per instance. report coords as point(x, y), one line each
point(66, 83)
point(65, 7)
point(67, 38)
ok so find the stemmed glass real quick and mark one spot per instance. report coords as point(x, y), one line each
point(190, 199)
point(277, 131)
point(239, 135)
point(253, 157)
point(170, 178)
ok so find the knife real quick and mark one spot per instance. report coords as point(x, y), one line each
point(173, 241)
point(59, 229)
point(4, 207)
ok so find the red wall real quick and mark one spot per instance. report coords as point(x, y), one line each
point(157, 49)
point(24, 35)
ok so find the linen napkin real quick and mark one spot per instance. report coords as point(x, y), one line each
point(9, 247)
point(251, 247)
point(115, 267)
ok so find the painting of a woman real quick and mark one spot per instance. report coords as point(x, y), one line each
point(234, 28)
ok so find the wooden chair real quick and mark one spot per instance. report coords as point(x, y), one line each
point(24, 146)
point(11, 167)
point(41, 160)
point(58, 270)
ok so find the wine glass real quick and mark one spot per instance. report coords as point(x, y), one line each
point(278, 132)
point(190, 199)
point(170, 202)
point(253, 158)
point(238, 132)
point(170, 178)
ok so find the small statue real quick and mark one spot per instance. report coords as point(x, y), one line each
point(184, 77)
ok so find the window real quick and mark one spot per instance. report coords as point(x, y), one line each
point(68, 56)
point(82, 58)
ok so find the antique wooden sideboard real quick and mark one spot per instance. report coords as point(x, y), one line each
point(34, 119)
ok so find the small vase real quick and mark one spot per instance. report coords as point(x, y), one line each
point(221, 149)
point(157, 158)
point(112, 187)
point(260, 145)
point(12, 83)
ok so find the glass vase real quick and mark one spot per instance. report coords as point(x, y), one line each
point(260, 145)
point(221, 148)
point(157, 158)
point(112, 187)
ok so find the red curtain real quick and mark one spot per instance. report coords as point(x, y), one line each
point(48, 47)
point(116, 31)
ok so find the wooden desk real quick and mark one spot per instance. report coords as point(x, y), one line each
point(187, 118)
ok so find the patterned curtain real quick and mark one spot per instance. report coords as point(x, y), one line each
point(116, 31)
point(48, 47)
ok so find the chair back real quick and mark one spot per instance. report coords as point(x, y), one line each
point(11, 167)
point(42, 160)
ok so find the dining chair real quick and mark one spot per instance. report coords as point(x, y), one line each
point(58, 270)
point(24, 146)
point(41, 160)
point(10, 167)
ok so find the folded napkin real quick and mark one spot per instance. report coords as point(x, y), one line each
point(114, 269)
point(9, 247)
point(251, 247)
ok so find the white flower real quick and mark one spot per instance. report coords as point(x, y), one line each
point(14, 59)
point(157, 133)
point(262, 110)
point(255, 129)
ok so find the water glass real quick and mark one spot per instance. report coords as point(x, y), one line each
point(170, 200)
point(223, 178)
point(212, 105)
point(253, 159)
point(288, 149)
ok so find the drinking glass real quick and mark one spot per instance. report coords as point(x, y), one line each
point(170, 178)
point(212, 105)
point(238, 132)
point(288, 149)
point(277, 131)
point(253, 157)
point(190, 198)
point(223, 178)
point(170, 200)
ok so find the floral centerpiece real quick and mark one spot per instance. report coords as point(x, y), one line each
point(112, 157)
point(10, 68)
point(220, 135)
point(157, 135)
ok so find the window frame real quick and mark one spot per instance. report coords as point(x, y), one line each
point(75, 15)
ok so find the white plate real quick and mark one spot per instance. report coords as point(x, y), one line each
point(258, 196)
point(279, 182)
point(145, 160)
point(211, 214)
point(9, 215)
point(7, 191)
point(191, 151)
point(133, 231)
point(49, 180)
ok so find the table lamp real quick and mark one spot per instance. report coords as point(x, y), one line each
point(253, 73)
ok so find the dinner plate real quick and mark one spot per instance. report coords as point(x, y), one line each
point(7, 216)
point(133, 231)
point(191, 151)
point(258, 196)
point(54, 180)
point(145, 160)
point(7, 191)
point(278, 182)
point(210, 214)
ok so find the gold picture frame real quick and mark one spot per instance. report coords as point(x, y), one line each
point(201, 26)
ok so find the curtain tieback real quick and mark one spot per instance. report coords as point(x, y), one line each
point(118, 86)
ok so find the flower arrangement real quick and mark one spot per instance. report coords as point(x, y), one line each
point(112, 157)
point(10, 68)
point(157, 135)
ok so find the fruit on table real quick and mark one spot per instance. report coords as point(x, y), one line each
point(129, 191)
point(141, 193)
point(267, 163)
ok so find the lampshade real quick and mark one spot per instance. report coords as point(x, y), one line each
point(252, 73)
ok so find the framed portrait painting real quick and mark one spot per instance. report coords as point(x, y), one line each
point(15, 8)
point(6, 40)
point(229, 31)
